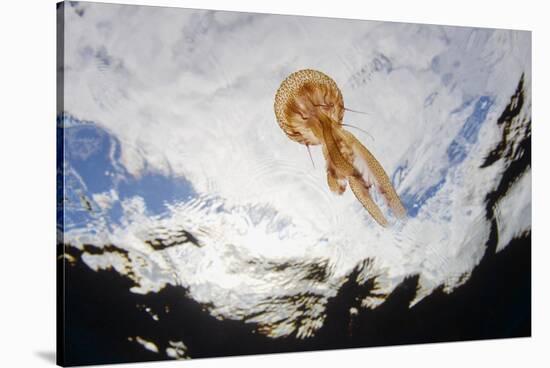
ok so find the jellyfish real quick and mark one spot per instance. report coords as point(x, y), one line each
point(309, 108)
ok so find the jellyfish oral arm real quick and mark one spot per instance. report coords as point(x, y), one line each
point(341, 164)
point(345, 156)
point(377, 175)
point(361, 192)
point(337, 184)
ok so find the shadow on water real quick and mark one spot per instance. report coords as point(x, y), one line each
point(102, 314)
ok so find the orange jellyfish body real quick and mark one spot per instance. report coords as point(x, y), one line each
point(309, 108)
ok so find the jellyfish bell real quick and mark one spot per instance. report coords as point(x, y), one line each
point(309, 108)
point(299, 101)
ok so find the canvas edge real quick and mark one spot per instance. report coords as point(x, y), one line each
point(60, 259)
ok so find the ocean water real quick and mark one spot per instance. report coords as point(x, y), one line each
point(191, 226)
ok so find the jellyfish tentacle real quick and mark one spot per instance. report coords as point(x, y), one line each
point(356, 127)
point(310, 157)
point(381, 179)
point(361, 191)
